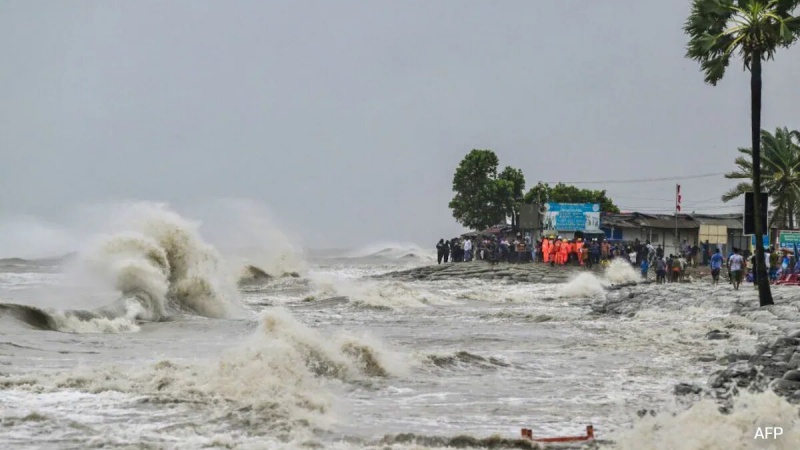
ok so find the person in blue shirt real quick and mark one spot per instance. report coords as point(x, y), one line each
point(716, 266)
point(645, 267)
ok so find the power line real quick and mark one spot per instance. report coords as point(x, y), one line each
point(683, 207)
point(645, 198)
point(641, 180)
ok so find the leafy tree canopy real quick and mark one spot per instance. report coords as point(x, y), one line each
point(482, 197)
point(563, 193)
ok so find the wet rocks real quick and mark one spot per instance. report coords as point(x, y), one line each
point(739, 373)
point(792, 375)
point(682, 389)
point(505, 272)
point(621, 302)
point(715, 335)
point(772, 367)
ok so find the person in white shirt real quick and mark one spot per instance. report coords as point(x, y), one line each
point(468, 250)
point(736, 264)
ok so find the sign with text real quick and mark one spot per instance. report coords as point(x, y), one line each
point(788, 239)
point(572, 217)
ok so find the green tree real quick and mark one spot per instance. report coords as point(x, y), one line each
point(563, 193)
point(475, 183)
point(482, 197)
point(754, 29)
point(780, 173)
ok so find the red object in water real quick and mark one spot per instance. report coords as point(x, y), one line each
point(527, 433)
point(788, 280)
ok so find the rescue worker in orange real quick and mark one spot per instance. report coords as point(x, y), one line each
point(556, 253)
point(546, 249)
point(579, 251)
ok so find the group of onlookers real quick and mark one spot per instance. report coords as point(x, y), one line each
point(556, 250)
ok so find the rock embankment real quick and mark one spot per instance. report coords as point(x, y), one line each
point(775, 366)
point(775, 363)
point(515, 273)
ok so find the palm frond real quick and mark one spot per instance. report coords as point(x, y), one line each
point(737, 192)
point(752, 28)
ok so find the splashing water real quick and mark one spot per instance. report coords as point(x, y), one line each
point(589, 285)
point(163, 263)
point(620, 271)
point(703, 426)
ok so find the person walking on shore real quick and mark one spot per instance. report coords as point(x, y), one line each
point(676, 269)
point(716, 266)
point(661, 270)
point(736, 263)
point(441, 248)
point(468, 250)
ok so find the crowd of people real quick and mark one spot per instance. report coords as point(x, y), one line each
point(553, 250)
point(647, 258)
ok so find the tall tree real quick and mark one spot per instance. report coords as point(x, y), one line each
point(780, 174)
point(512, 185)
point(563, 193)
point(478, 201)
point(754, 29)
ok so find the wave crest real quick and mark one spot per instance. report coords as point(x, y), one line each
point(164, 264)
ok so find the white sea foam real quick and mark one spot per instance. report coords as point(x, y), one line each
point(584, 285)
point(703, 426)
point(394, 251)
point(589, 285)
point(156, 261)
point(248, 235)
point(620, 271)
point(381, 294)
point(276, 378)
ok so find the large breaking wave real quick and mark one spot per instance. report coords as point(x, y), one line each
point(157, 268)
point(274, 382)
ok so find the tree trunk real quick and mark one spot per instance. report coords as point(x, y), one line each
point(764, 294)
point(513, 220)
point(791, 218)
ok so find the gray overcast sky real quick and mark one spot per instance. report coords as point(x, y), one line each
point(347, 118)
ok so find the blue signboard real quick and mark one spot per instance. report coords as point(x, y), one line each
point(753, 240)
point(572, 217)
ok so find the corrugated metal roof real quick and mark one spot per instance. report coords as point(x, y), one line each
point(667, 221)
point(728, 220)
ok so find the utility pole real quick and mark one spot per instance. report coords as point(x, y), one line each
point(677, 210)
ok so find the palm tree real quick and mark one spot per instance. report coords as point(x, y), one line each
point(780, 173)
point(754, 29)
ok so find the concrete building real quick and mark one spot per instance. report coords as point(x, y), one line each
point(725, 231)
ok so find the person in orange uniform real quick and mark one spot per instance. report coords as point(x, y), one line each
point(556, 252)
point(545, 250)
point(566, 248)
point(579, 251)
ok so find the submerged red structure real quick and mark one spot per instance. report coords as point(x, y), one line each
point(527, 433)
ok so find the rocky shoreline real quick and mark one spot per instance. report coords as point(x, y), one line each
point(514, 273)
point(508, 272)
point(775, 363)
